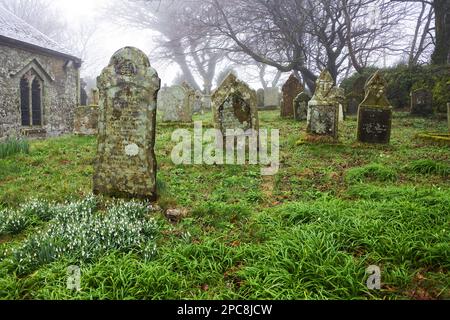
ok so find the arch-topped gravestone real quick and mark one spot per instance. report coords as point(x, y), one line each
point(126, 165)
point(375, 113)
point(323, 109)
point(178, 102)
point(291, 89)
point(301, 106)
point(235, 106)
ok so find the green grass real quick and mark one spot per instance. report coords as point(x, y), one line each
point(13, 146)
point(308, 232)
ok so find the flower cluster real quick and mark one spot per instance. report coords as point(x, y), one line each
point(77, 231)
point(13, 222)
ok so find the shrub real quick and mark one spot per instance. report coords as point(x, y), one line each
point(377, 172)
point(13, 146)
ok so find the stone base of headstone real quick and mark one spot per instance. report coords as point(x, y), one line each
point(86, 121)
point(323, 120)
point(374, 125)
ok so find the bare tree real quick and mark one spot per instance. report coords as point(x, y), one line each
point(193, 48)
point(441, 9)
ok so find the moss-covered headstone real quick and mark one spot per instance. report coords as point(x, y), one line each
point(323, 109)
point(178, 104)
point(291, 89)
point(421, 102)
point(301, 106)
point(375, 113)
point(126, 165)
point(235, 106)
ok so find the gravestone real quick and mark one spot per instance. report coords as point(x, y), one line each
point(291, 89)
point(235, 107)
point(197, 106)
point(356, 96)
point(83, 94)
point(301, 106)
point(339, 95)
point(95, 97)
point(323, 109)
point(421, 103)
point(260, 98)
point(375, 113)
point(125, 166)
point(178, 104)
point(86, 120)
point(207, 102)
point(271, 98)
point(162, 96)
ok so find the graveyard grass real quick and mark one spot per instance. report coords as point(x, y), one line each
point(309, 232)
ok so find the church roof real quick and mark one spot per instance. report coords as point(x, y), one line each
point(18, 32)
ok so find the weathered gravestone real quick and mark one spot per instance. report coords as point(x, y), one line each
point(356, 96)
point(235, 107)
point(197, 105)
point(421, 102)
point(323, 109)
point(126, 165)
point(178, 104)
point(339, 95)
point(83, 94)
point(207, 102)
point(375, 113)
point(86, 120)
point(162, 96)
point(291, 89)
point(301, 106)
point(94, 97)
point(260, 98)
point(271, 98)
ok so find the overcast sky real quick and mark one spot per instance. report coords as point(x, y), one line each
point(109, 37)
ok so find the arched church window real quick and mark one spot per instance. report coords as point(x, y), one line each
point(36, 104)
point(25, 101)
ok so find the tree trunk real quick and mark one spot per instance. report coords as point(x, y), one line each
point(441, 53)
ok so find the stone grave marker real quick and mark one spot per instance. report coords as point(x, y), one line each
point(291, 89)
point(301, 106)
point(323, 109)
point(86, 120)
point(95, 97)
point(178, 105)
point(197, 106)
point(125, 166)
point(375, 113)
point(260, 98)
point(421, 102)
point(235, 106)
point(271, 98)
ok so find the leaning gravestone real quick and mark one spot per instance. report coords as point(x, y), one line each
point(271, 98)
point(125, 166)
point(235, 107)
point(260, 98)
point(291, 89)
point(301, 106)
point(375, 113)
point(323, 109)
point(421, 103)
point(178, 105)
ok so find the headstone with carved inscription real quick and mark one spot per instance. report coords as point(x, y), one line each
point(125, 166)
point(235, 107)
point(323, 109)
point(421, 102)
point(178, 103)
point(291, 89)
point(301, 106)
point(375, 113)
